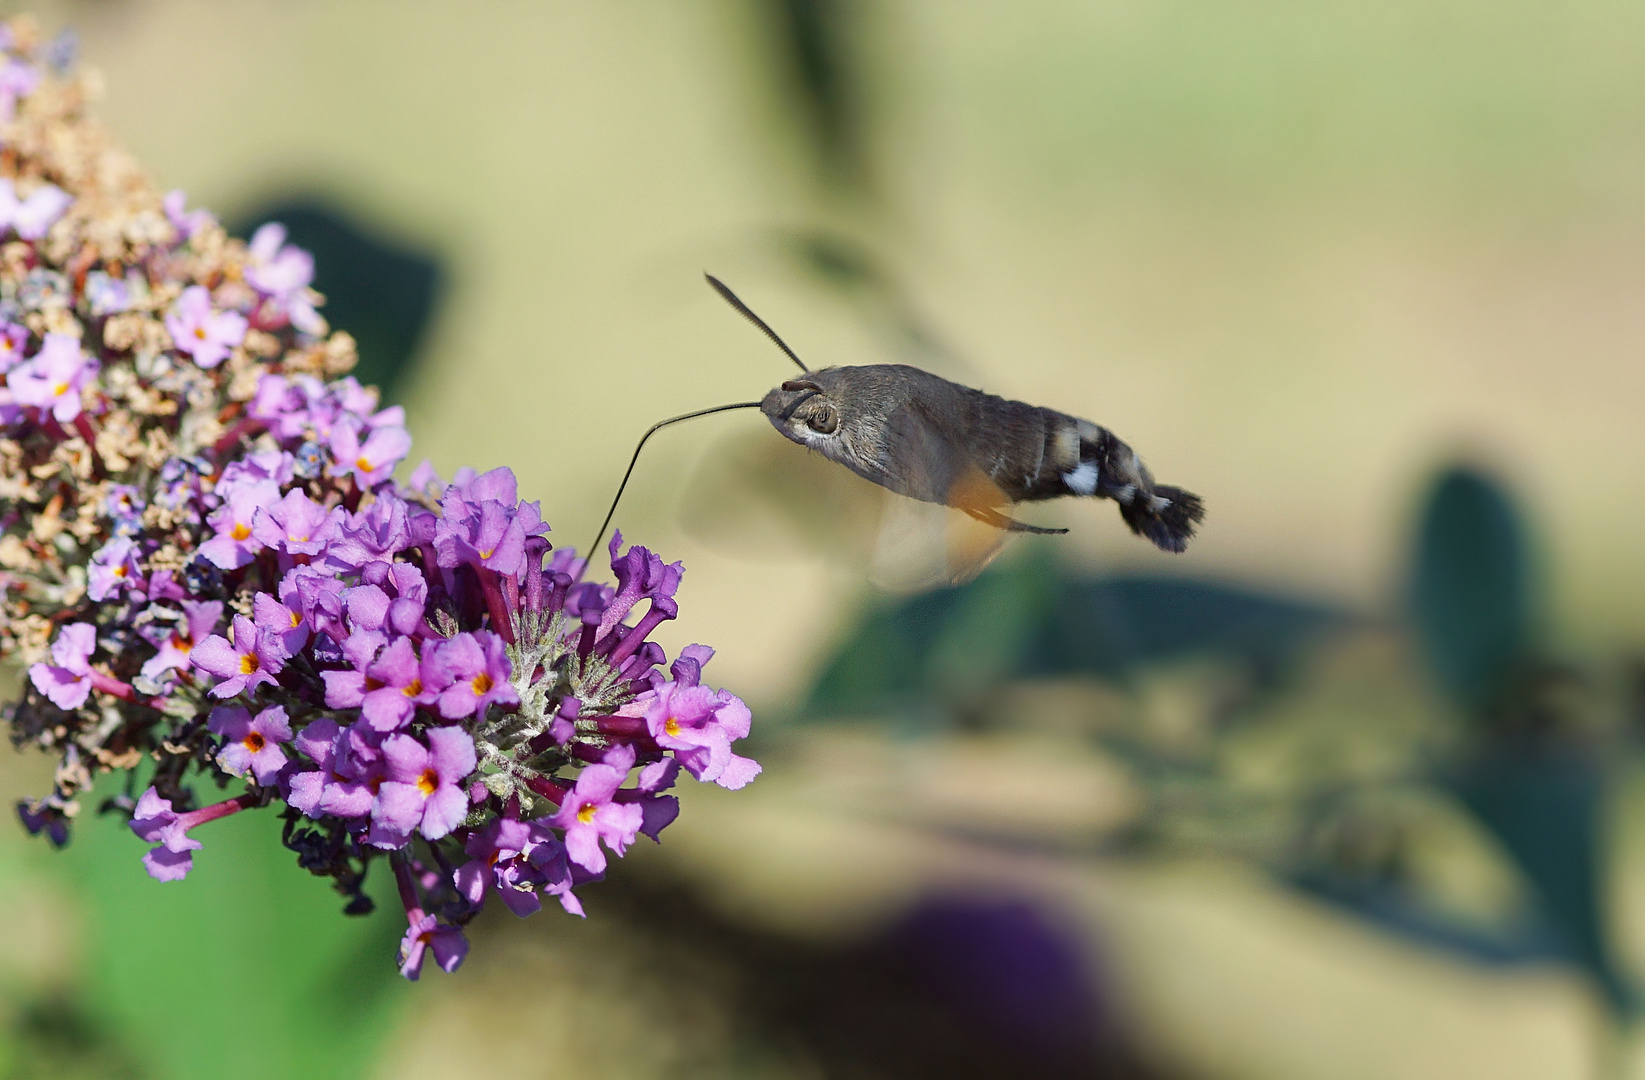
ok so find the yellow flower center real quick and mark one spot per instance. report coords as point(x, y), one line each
point(413, 688)
point(200, 333)
point(428, 783)
point(59, 389)
point(586, 813)
point(672, 725)
point(481, 684)
point(248, 664)
point(240, 531)
point(362, 464)
point(253, 742)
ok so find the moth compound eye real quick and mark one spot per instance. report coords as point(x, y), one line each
point(823, 419)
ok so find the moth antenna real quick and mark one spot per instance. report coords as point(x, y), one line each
point(731, 298)
point(650, 431)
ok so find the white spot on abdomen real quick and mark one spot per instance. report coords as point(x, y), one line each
point(1082, 480)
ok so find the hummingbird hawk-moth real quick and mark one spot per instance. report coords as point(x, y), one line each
point(927, 438)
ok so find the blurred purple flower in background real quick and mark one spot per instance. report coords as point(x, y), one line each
point(206, 335)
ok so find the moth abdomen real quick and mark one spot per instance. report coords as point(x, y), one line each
point(1092, 461)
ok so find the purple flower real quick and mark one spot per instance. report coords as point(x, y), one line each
point(589, 813)
point(396, 684)
point(699, 724)
point(426, 481)
point(296, 525)
point(424, 785)
point(288, 406)
point(282, 272)
point(275, 267)
point(473, 670)
point(349, 769)
point(235, 545)
point(319, 596)
point(405, 611)
point(206, 335)
point(17, 80)
point(641, 575)
point(199, 620)
point(361, 401)
point(504, 856)
point(492, 539)
point(283, 618)
point(47, 816)
point(483, 524)
point(113, 569)
point(658, 811)
point(252, 742)
point(12, 340)
point(273, 465)
point(424, 933)
point(374, 534)
point(186, 223)
point(68, 682)
point(124, 505)
point(107, 295)
point(469, 489)
point(371, 461)
point(556, 871)
point(31, 217)
point(155, 822)
point(254, 658)
point(53, 378)
point(347, 689)
point(367, 607)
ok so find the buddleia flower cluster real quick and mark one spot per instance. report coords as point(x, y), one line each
point(223, 596)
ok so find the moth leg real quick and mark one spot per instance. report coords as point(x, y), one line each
point(989, 516)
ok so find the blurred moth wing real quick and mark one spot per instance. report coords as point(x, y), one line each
point(766, 500)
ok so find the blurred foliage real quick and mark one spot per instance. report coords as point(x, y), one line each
point(1471, 588)
point(53, 1039)
point(811, 52)
point(956, 987)
point(382, 290)
point(1533, 774)
point(1035, 617)
point(245, 968)
point(854, 270)
point(1314, 754)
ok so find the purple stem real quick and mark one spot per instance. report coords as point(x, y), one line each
point(502, 619)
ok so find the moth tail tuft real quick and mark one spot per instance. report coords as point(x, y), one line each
point(1166, 516)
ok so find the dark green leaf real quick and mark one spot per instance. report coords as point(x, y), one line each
point(1471, 587)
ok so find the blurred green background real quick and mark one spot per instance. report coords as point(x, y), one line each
point(1351, 789)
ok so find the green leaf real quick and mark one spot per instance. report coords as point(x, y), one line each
point(1471, 587)
point(1546, 804)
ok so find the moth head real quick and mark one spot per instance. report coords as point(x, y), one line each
point(805, 410)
